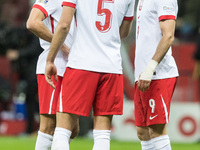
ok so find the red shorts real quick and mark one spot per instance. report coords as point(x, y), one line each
point(82, 90)
point(48, 97)
point(153, 106)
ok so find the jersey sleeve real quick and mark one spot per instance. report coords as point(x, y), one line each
point(166, 9)
point(130, 11)
point(45, 6)
point(70, 3)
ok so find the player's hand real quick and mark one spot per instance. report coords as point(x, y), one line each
point(143, 85)
point(50, 71)
point(65, 49)
point(146, 76)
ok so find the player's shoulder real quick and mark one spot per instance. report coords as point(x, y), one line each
point(44, 2)
point(50, 2)
point(165, 1)
point(166, 5)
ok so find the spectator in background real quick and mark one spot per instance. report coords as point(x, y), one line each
point(23, 50)
point(26, 58)
point(188, 19)
point(196, 73)
point(14, 12)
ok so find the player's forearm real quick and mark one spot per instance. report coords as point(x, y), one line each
point(163, 47)
point(161, 51)
point(57, 41)
point(40, 30)
point(124, 33)
point(167, 28)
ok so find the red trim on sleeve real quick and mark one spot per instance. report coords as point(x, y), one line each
point(129, 18)
point(41, 8)
point(167, 17)
point(69, 4)
point(52, 24)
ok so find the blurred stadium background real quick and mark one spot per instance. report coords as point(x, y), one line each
point(19, 119)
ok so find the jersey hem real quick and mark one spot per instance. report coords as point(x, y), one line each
point(161, 78)
point(93, 70)
point(58, 74)
point(41, 8)
point(44, 74)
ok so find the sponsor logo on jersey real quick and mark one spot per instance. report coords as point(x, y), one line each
point(43, 1)
point(168, 8)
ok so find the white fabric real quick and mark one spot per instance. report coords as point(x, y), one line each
point(147, 145)
point(161, 143)
point(53, 8)
point(148, 35)
point(96, 47)
point(101, 139)
point(166, 7)
point(61, 139)
point(43, 141)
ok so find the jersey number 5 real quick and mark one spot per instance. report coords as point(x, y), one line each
point(103, 11)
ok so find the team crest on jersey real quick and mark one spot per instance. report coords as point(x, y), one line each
point(43, 1)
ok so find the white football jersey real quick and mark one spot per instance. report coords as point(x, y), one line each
point(148, 36)
point(52, 10)
point(96, 45)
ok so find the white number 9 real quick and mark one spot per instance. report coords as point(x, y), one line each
point(152, 105)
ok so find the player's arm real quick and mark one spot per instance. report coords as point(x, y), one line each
point(125, 28)
point(167, 28)
point(126, 25)
point(36, 26)
point(61, 32)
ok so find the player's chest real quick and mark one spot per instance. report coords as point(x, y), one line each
point(146, 11)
